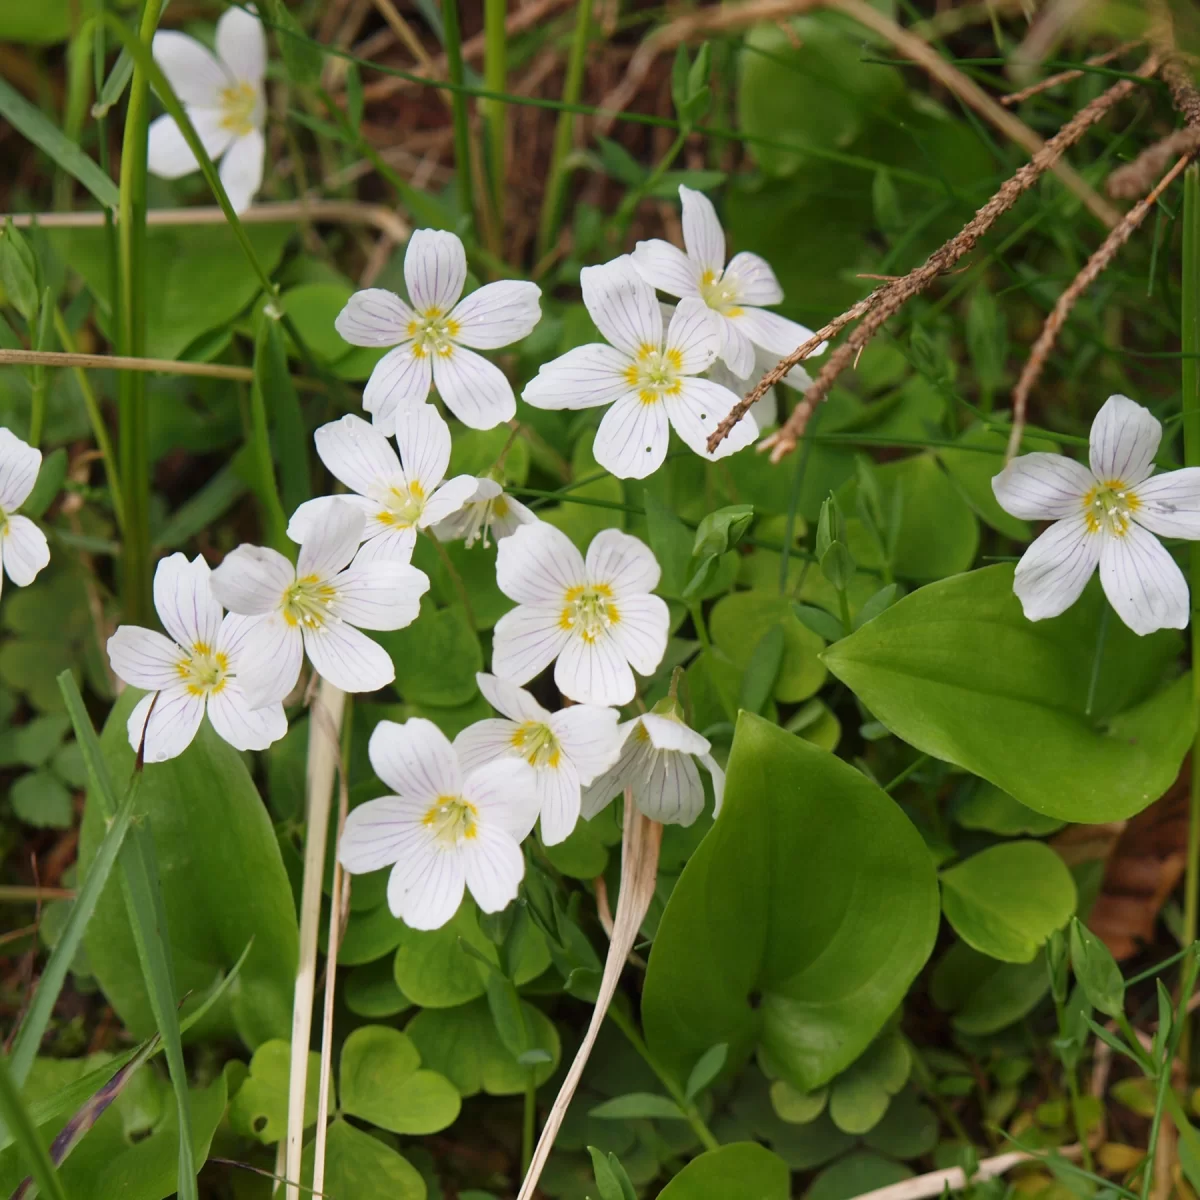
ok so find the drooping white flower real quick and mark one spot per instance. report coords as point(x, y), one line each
point(445, 828)
point(597, 618)
point(490, 511)
point(200, 666)
point(658, 764)
point(397, 496)
point(649, 379)
point(320, 605)
point(431, 335)
point(735, 292)
point(1108, 517)
point(566, 749)
point(222, 94)
point(23, 547)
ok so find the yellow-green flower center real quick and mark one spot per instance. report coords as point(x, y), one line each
point(402, 506)
point(719, 294)
point(306, 602)
point(452, 821)
point(433, 332)
point(589, 611)
point(204, 670)
point(536, 743)
point(238, 104)
point(1107, 507)
point(654, 373)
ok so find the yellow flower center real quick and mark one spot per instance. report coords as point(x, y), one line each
point(589, 611)
point(402, 506)
point(203, 670)
point(433, 332)
point(1107, 507)
point(654, 373)
point(238, 104)
point(536, 743)
point(452, 820)
point(306, 602)
point(719, 294)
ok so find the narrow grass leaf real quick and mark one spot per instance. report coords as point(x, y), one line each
point(17, 1118)
point(287, 421)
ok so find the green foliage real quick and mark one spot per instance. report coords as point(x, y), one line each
point(745, 1169)
point(259, 1107)
point(359, 1165)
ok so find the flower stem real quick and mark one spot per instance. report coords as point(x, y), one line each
point(456, 580)
point(462, 129)
point(1190, 345)
point(495, 112)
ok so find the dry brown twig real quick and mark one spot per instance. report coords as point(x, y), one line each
point(1137, 178)
point(1053, 81)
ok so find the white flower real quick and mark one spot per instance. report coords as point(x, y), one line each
point(446, 827)
point(490, 511)
point(733, 292)
point(397, 496)
point(1107, 516)
point(597, 618)
point(202, 668)
point(431, 337)
point(223, 97)
point(649, 380)
point(566, 749)
point(23, 548)
point(658, 765)
point(316, 605)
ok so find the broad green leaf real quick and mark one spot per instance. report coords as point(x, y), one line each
point(380, 1080)
point(671, 540)
point(259, 1107)
point(638, 1105)
point(611, 1178)
point(988, 808)
point(1097, 971)
point(312, 308)
point(360, 1167)
point(370, 991)
point(860, 1095)
point(797, 1107)
point(582, 521)
point(39, 798)
point(815, 987)
point(957, 671)
point(49, 483)
point(708, 1067)
point(985, 995)
point(738, 623)
point(855, 1174)
point(369, 935)
point(222, 880)
point(436, 657)
point(742, 1169)
point(1007, 900)
point(908, 1129)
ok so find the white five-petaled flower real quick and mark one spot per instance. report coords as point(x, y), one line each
point(397, 496)
point(223, 97)
point(431, 335)
point(734, 292)
point(23, 548)
point(320, 605)
point(566, 749)
point(446, 827)
point(490, 511)
point(658, 765)
point(649, 379)
point(597, 618)
point(200, 666)
point(1106, 516)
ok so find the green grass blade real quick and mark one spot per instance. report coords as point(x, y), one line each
point(271, 375)
point(16, 1117)
point(36, 127)
point(274, 519)
point(143, 901)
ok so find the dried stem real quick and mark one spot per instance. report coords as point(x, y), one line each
point(1137, 178)
point(1053, 81)
point(1067, 301)
point(954, 1179)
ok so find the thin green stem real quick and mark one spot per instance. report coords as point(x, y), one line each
point(1098, 659)
point(1190, 369)
point(455, 579)
point(462, 128)
point(635, 195)
point(564, 131)
point(273, 517)
point(41, 341)
point(710, 659)
point(495, 112)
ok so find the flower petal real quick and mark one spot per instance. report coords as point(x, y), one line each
point(514, 702)
point(630, 765)
point(196, 76)
point(332, 545)
point(623, 305)
point(539, 565)
point(695, 334)
point(485, 741)
point(666, 267)
point(383, 832)
point(1056, 567)
point(589, 738)
point(435, 270)
point(374, 317)
point(773, 332)
point(416, 758)
point(425, 891)
point(672, 792)
point(24, 550)
point(19, 467)
point(641, 632)
point(167, 153)
point(753, 278)
point(633, 437)
point(737, 350)
point(594, 671)
point(586, 377)
point(252, 579)
point(508, 515)
point(144, 659)
point(265, 653)
point(348, 658)
point(622, 562)
point(718, 781)
point(379, 595)
point(667, 733)
point(424, 441)
point(702, 232)
point(357, 454)
point(172, 724)
point(476, 391)
point(241, 45)
point(400, 379)
point(243, 727)
point(1042, 487)
point(396, 545)
point(307, 520)
point(242, 169)
point(497, 314)
point(558, 794)
point(505, 793)
point(527, 640)
point(698, 408)
point(1143, 582)
point(1169, 504)
point(1123, 441)
point(448, 499)
point(184, 600)
point(493, 865)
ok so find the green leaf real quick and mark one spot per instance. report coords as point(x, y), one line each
point(671, 541)
point(815, 989)
point(797, 1107)
point(1006, 901)
point(824, 625)
point(361, 1167)
point(720, 531)
point(855, 1174)
point(380, 1081)
point(302, 57)
point(983, 994)
point(986, 807)
point(762, 670)
point(49, 483)
point(742, 1169)
point(708, 1067)
point(16, 1118)
point(611, 1177)
point(1097, 971)
point(909, 1128)
point(860, 1095)
point(637, 1105)
point(39, 799)
point(957, 671)
point(223, 884)
point(33, 125)
point(289, 434)
point(18, 269)
point(436, 658)
point(259, 1107)
point(370, 991)
point(737, 623)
